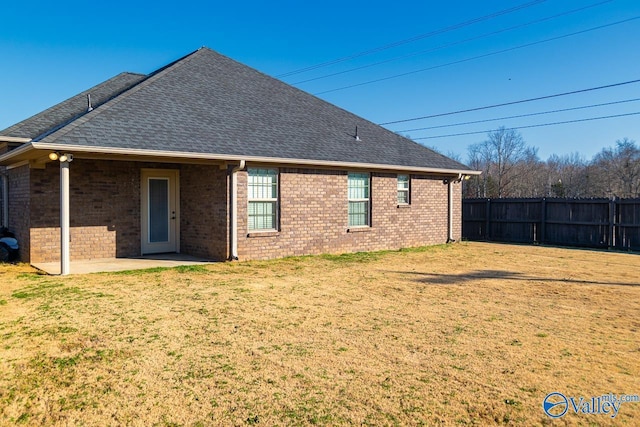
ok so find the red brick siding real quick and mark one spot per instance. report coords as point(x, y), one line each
point(313, 215)
point(105, 210)
point(2, 178)
point(457, 211)
point(203, 212)
point(19, 204)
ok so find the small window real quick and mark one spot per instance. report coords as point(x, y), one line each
point(358, 189)
point(403, 189)
point(262, 186)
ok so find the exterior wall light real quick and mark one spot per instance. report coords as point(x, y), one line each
point(62, 157)
point(66, 158)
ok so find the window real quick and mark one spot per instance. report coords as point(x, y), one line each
point(358, 189)
point(262, 186)
point(403, 189)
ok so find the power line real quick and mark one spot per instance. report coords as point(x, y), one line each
point(512, 102)
point(521, 115)
point(477, 57)
point(412, 39)
point(444, 46)
point(530, 126)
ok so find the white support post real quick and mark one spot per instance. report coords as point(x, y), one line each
point(64, 218)
point(234, 215)
point(450, 211)
point(233, 191)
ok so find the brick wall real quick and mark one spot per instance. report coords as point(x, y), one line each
point(19, 204)
point(203, 212)
point(2, 178)
point(457, 211)
point(313, 215)
point(105, 210)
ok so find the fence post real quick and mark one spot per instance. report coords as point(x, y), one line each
point(612, 223)
point(487, 216)
point(543, 220)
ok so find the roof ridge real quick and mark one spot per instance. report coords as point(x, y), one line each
point(87, 116)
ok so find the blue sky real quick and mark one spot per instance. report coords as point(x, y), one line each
point(53, 50)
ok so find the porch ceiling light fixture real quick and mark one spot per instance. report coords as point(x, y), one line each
point(62, 157)
point(66, 158)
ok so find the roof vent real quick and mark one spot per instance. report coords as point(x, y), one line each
point(357, 138)
point(89, 107)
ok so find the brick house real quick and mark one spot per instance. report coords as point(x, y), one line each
point(211, 158)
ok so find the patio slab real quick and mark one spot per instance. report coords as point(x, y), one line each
point(122, 264)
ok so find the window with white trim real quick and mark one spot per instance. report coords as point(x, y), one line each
point(358, 193)
point(403, 189)
point(262, 187)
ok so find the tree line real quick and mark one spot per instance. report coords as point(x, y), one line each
point(511, 168)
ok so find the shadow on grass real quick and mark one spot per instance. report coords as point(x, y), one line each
point(462, 278)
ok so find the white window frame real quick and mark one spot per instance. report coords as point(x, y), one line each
point(404, 187)
point(256, 177)
point(358, 200)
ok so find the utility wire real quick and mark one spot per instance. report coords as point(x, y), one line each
point(478, 57)
point(444, 46)
point(413, 39)
point(513, 102)
point(520, 115)
point(530, 126)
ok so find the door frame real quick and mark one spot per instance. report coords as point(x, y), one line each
point(173, 176)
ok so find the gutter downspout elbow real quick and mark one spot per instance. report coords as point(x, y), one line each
point(233, 194)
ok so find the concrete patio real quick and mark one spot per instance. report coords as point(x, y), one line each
point(122, 264)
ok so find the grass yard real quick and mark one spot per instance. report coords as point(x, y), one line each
point(464, 334)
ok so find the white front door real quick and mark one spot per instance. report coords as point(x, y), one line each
point(160, 226)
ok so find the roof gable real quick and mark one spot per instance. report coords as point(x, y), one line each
point(208, 103)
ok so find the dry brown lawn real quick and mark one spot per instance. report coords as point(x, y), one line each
point(464, 334)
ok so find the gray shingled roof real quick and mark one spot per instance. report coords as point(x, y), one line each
point(66, 111)
point(208, 103)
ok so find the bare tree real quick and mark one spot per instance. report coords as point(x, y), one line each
point(479, 159)
point(510, 168)
point(615, 172)
point(505, 162)
point(567, 176)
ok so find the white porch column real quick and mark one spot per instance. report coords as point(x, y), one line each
point(450, 211)
point(64, 218)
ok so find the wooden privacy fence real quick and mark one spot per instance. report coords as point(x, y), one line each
point(594, 223)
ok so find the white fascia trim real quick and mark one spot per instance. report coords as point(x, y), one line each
point(16, 151)
point(226, 157)
point(4, 138)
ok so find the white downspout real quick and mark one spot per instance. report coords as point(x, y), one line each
point(64, 218)
point(450, 182)
point(233, 192)
point(5, 200)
